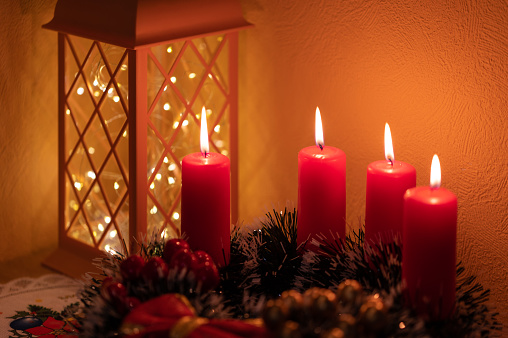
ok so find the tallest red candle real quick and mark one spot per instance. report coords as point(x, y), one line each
point(206, 202)
point(321, 189)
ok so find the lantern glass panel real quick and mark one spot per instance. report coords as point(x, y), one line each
point(183, 77)
point(96, 142)
point(220, 137)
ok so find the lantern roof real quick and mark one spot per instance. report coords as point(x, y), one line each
point(138, 23)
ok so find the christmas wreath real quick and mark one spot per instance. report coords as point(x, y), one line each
point(271, 287)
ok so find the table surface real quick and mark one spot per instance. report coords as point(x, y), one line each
point(27, 266)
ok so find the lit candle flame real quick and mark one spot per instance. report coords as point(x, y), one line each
point(435, 173)
point(205, 149)
point(320, 141)
point(389, 155)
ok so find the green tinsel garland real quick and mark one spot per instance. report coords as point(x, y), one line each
point(267, 261)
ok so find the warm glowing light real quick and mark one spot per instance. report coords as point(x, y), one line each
point(112, 234)
point(402, 325)
point(192, 75)
point(175, 125)
point(110, 91)
point(158, 176)
point(435, 173)
point(171, 180)
point(166, 160)
point(74, 205)
point(124, 133)
point(107, 248)
point(116, 98)
point(95, 82)
point(172, 167)
point(185, 123)
point(169, 50)
point(153, 211)
point(167, 106)
point(176, 215)
point(320, 141)
point(91, 150)
point(78, 185)
point(116, 186)
point(224, 152)
point(164, 234)
point(205, 149)
point(68, 112)
point(152, 186)
point(91, 174)
point(173, 79)
point(107, 219)
point(389, 155)
point(96, 93)
point(100, 227)
point(165, 88)
point(217, 128)
point(219, 143)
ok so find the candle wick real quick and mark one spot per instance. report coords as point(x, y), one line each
point(391, 161)
point(320, 146)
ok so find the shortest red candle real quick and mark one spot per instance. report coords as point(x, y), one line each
point(429, 247)
point(387, 182)
point(206, 202)
point(321, 189)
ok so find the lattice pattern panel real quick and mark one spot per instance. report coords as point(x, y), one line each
point(182, 78)
point(96, 143)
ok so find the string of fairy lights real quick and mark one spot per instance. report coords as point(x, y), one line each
point(168, 113)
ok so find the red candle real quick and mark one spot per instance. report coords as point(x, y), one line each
point(387, 181)
point(321, 189)
point(206, 216)
point(429, 246)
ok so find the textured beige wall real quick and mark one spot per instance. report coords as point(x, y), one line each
point(28, 129)
point(437, 71)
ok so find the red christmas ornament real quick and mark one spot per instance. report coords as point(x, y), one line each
point(114, 291)
point(154, 269)
point(184, 259)
point(202, 256)
point(172, 247)
point(131, 267)
point(207, 276)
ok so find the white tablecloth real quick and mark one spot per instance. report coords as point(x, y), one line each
point(38, 306)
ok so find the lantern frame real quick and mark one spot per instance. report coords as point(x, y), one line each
point(136, 26)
